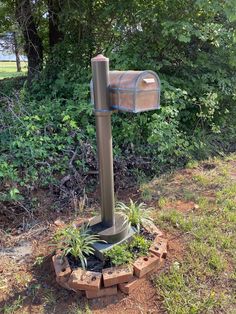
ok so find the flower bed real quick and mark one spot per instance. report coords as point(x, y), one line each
point(124, 265)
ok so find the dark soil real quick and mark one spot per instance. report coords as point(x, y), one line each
point(95, 264)
point(147, 235)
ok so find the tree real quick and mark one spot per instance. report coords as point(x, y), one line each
point(54, 10)
point(16, 50)
point(8, 30)
point(33, 43)
point(9, 43)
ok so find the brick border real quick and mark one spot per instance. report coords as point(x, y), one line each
point(125, 277)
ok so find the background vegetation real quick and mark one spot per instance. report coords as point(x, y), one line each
point(8, 69)
point(47, 134)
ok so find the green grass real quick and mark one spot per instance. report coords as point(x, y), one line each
point(8, 69)
point(12, 308)
point(203, 280)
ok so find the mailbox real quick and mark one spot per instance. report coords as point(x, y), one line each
point(134, 91)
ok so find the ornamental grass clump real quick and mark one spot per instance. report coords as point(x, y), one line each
point(76, 242)
point(136, 214)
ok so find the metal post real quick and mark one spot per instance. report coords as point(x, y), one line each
point(100, 71)
point(111, 227)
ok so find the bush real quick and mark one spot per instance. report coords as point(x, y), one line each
point(48, 131)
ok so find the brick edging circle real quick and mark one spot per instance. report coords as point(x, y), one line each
point(124, 277)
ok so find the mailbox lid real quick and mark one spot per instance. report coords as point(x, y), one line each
point(123, 79)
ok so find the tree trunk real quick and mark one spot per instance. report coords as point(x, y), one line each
point(55, 35)
point(17, 54)
point(33, 44)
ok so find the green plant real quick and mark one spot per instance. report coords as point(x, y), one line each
point(80, 307)
point(136, 213)
point(38, 261)
point(192, 164)
point(16, 305)
point(119, 255)
point(139, 246)
point(49, 298)
point(77, 242)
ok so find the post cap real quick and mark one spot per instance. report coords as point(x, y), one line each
point(99, 57)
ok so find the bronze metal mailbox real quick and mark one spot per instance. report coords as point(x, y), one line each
point(134, 91)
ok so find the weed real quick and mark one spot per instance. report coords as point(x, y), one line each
point(202, 179)
point(203, 202)
point(49, 299)
point(162, 202)
point(23, 280)
point(16, 305)
point(34, 289)
point(127, 252)
point(173, 218)
point(181, 292)
point(146, 192)
point(80, 308)
point(38, 261)
point(189, 195)
point(192, 164)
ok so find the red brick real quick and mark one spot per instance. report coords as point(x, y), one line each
point(159, 247)
point(65, 285)
point(145, 264)
point(81, 221)
point(114, 275)
point(129, 287)
point(61, 267)
point(151, 228)
point(103, 292)
point(59, 223)
point(85, 280)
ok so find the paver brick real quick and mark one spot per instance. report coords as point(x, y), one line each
point(145, 264)
point(159, 247)
point(152, 228)
point(85, 280)
point(62, 267)
point(115, 275)
point(130, 286)
point(103, 292)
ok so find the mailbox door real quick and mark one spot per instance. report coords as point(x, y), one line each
point(148, 92)
point(134, 91)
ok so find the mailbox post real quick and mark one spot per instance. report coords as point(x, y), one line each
point(132, 91)
point(100, 70)
point(110, 226)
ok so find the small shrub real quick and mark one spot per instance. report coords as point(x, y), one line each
point(139, 246)
point(127, 252)
point(119, 255)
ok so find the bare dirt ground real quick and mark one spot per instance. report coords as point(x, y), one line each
point(27, 280)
